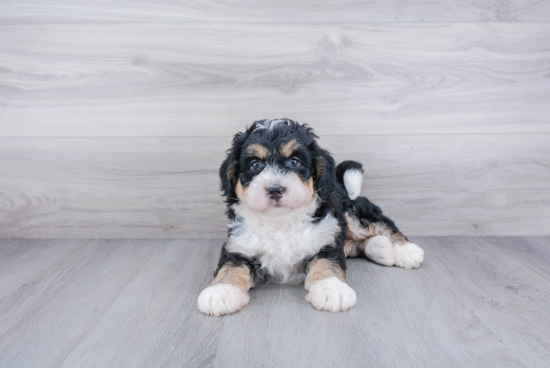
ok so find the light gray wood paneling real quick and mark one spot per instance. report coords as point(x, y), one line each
point(132, 303)
point(13, 11)
point(168, 187)
point(121, 187)
point(210, 79)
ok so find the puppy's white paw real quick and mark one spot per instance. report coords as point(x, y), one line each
point(380, 249)
point(222, 299)
point(331, 295)
point(408, 256)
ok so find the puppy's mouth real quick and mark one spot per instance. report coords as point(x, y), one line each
point(277, 203)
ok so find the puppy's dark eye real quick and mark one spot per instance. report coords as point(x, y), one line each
point(293, 163)
point(255, 166)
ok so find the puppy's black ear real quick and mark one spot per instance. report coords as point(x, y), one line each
point(227, 177)
point(325, 173)
point(229, 170)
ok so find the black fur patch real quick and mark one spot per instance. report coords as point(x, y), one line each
point(236, 259)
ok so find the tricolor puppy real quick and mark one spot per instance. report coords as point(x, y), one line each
point(294, 217)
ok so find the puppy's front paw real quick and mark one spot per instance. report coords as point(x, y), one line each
point(331, 295)
point(409, 255)
point(222, 299)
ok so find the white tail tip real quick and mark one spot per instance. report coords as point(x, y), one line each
point(353, 180)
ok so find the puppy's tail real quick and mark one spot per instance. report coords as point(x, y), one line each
point(350, 174)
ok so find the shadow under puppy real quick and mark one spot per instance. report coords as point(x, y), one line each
point(295, 217)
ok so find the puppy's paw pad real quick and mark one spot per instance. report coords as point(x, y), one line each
point(331, 295)
point(380, 249)
point(222, 299)
point(408, 256)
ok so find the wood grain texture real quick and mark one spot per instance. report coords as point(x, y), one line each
point(155, 317)
point(310, 339)
point(532, 252)
point(424, 314)
point(55, 11)
point(498, 286)
point(168, 187)
point(24, 265)
point(52, 311)
point(132, 303)
point(210, 79)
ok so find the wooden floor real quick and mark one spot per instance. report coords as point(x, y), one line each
point(125, 303)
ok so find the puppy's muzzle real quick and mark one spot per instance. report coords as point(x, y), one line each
point(275, 192)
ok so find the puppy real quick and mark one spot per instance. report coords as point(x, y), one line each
point(294, 217)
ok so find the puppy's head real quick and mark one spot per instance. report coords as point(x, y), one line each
point(276, 166)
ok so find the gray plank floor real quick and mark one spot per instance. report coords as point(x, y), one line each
point(124, 303)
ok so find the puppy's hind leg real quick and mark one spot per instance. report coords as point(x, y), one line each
point(382, 241)
point(408, 255)
point(381, 249)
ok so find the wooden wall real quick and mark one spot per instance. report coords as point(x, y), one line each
point(114, 116)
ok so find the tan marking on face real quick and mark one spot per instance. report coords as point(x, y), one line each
point(238, 276)
point(240, 190)
point(287, 149)
point(257, 150)
point(321, 269)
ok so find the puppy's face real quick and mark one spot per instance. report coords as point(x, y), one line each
point(276, 173)
point(274, 167)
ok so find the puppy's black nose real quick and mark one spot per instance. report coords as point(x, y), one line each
point(275, 192)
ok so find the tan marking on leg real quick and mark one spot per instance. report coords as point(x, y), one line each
point(353, 248)
point(398, 239)
point(287, 149)
point(373, 230)
point(238, 276)
point(382, 229)
point(355, 230)
point(321, 269)
point(258, 151)
point(355, 237)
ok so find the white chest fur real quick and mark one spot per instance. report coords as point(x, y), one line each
point(281, 243)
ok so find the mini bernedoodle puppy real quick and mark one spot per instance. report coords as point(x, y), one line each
point(295, 216)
